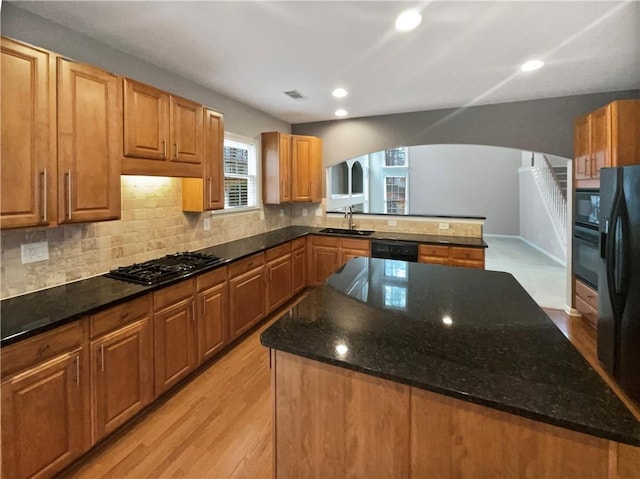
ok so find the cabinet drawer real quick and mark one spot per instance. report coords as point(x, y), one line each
point(589, 313)
point(356, 244)
point(217, 276)
point(172, 294)
point(298, 243)
point(247, 264)
point(467, 253)
point(432, 250)
point(433, 259)
point(587, 294)
point(325, 241)
point(467, 263)
point(278, 251)
point(29, 352)
point(112, 318)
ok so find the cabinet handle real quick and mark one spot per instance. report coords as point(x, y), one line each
point(175, 146)
point(68, 175)
point(102, 357)
point(204, 307)
point(209, 191)
point(164, 149)
point(193, 311)
point(44, 195)
point(77, 361)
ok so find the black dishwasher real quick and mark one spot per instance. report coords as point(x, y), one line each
point(392, 249)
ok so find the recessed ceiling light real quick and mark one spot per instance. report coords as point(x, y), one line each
point(408, 20)
point(531, 65)
point(339, 92)
point(341, 112)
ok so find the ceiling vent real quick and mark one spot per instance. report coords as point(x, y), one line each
point(295, 94)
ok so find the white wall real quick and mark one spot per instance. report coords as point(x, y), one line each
point(467, 180)
point(535, 223)
point(27, 27)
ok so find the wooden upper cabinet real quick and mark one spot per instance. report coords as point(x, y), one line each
point(89, 143)
point(146, 121)
point(291, 168)
point(27, 138)
point(163, 128)
point(606, 137)
point(207, 193)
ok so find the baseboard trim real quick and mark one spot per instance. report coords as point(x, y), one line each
point(554, 258)
point(572, 311)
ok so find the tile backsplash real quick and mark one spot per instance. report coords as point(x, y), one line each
point(153, 225)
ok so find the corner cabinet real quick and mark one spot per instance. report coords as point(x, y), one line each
point(89, 139)
point(607, 137)
point(61, 140)
point(207, 193)
point(163, 133)
point(291, 168)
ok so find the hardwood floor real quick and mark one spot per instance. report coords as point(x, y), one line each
point(218, 426)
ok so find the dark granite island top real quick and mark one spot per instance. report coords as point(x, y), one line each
point(469, 334)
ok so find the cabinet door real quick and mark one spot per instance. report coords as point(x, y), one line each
point(27, 138)
point(276, 167)
point(302, 166)
point(600, 141)
point(213, 322)
point(43, 417)
point(186, 131)
point(146, 121)
point(582, 148)
point(279, 284)
point(299, 269)
point(214, 160)
point(247, 299)
point(89, 144)
point(433, 259)
point(285, 167)
point(175, 350)
point(122, 376)
point(325, 260)
point(353, 248)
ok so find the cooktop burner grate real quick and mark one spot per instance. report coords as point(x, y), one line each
point(162, 269)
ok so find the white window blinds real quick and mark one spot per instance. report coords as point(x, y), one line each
point(240, 172)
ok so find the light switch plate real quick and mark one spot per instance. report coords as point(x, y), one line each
point(304, 212)
point(207, 224)
point(34, 252)
point(443, 226)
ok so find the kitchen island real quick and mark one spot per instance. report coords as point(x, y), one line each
point(395, 369)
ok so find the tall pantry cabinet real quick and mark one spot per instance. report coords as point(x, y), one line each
point(60, 140)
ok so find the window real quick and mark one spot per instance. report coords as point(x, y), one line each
point(395, 195)
point(240, 172)
point(395, 157)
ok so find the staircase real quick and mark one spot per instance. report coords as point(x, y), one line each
point(552, 183)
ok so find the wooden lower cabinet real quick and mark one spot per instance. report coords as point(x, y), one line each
point(213, 313)
point(586, 301)
point(279, 276)
point(299, 265)
point(451, 255)
point(45, 423)
point(353, 248)
point(247, 294)
point(122, 376)
point(329, 253)
point(175, 334)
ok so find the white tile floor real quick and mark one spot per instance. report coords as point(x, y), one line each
point(543, 278)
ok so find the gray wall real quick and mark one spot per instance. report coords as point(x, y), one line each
point(467, 180)
point(27, 27)
point(537, 125)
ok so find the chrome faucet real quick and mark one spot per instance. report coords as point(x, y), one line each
point(348, 213)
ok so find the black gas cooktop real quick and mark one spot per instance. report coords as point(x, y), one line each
point(162, 269)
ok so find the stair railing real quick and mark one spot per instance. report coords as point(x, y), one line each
point(554, 196)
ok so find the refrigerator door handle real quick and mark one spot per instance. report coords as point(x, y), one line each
point(616, 277)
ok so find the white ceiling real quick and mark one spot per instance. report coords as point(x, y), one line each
point(463, 53)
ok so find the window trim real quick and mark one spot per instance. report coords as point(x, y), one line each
point(258, 176)
point(406, 192)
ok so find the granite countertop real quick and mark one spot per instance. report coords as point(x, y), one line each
point(470, 334)
point(34, 313)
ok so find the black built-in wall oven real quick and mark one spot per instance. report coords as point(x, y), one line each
point(586, 251)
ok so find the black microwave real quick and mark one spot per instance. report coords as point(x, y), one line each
point(587, 208)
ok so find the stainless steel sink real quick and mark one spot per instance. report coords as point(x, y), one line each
point(347, 232)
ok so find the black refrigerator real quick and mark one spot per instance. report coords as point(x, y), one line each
point(619, 276)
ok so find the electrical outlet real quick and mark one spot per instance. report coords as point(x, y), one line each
point(393, 223)
point(443, 226)
point(207, 224)
point(261, 214)
point(281, 211)
point(34, 252)
point(319, 212)
point(304, 212)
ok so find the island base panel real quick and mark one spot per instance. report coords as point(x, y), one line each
point(334, 422)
